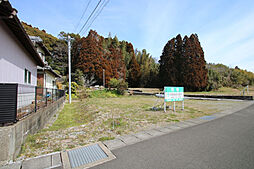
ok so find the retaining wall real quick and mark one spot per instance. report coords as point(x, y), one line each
point(12, 137)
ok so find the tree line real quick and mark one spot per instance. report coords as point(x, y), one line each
point(94, 53)
point(182, 62)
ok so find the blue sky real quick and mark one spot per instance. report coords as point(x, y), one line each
point(225, 27)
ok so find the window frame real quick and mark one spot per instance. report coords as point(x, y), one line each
point(27, 77)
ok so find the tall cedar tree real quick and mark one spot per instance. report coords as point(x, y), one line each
point(92, 55)
point(133, 67)
point(88, 57)
point(182, 63)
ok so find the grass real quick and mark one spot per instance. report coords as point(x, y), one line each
point(99, 119)
point(103, 94)
point(106, 138)
point(71, 116)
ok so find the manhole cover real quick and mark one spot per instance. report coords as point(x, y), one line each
point(207, 117)
point(82, 156)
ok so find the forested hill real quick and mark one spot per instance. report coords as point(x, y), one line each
point(220, 75)
point(57, 47)
point(92, 54)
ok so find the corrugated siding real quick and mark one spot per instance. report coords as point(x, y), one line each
point(8, 103)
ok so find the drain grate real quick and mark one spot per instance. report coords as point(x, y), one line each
point(207, 117)
point(85, 155)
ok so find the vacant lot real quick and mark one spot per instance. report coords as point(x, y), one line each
point(98, 119)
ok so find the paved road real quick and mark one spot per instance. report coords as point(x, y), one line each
point(227, 142)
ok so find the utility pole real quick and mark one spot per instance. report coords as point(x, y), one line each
point(104, 78)
point(69, 63)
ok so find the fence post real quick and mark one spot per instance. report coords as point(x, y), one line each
point(35, 100)
point(46, 98)
point(52, 90)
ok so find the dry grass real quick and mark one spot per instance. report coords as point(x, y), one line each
point(97, 119)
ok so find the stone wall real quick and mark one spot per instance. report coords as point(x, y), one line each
point(12, 137)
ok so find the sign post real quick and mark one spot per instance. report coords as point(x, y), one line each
point(173, 94)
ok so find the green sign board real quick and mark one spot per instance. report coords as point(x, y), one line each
point(172, 94)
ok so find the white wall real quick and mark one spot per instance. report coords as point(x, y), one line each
point(49, 78)
point(14, 59)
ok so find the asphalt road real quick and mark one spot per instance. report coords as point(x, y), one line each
point(227, 142)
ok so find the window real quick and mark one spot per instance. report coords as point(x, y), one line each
point(25, 79)
point(27, 76)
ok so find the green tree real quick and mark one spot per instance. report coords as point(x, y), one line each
point(134, 73)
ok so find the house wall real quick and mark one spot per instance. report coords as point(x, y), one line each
point(14, 59)
point(49, 78)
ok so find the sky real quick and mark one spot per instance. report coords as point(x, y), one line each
point(225, 27)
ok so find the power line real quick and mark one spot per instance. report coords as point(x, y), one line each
point(98, 13)
point(90, 16)
point(94, 16)
point(83, 14)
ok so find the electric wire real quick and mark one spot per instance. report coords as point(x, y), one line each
point(82, 16)
point(97, 14)
point(90, 16)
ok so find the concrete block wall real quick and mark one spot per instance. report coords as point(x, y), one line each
point(12, 137)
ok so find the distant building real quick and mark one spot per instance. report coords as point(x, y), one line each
point(46, 76)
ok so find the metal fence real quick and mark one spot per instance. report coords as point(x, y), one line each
point(28, 99)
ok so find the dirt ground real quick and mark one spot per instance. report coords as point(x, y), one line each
point(99, 119)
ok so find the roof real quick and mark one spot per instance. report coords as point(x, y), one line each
point(9, 17)
point(49, 69)
point(39, 41)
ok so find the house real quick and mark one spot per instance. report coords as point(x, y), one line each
point(18, 65)
point(46, 76)
point(18, 57)
point(21, 60)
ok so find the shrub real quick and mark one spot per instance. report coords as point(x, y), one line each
point(113, 83)
point(59, 85)
point(73, 96)
point(74, 87)
point(121, 87)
